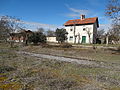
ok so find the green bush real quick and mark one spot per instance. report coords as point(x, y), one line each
point(37, 37)
point(61, 35)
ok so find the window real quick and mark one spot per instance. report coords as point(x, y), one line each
point(70, 29)
point(84, 29)
point(71, 38)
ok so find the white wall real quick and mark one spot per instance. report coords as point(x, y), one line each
point(51, 39)
point(79, 30)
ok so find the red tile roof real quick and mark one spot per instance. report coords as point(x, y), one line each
point(82, 22)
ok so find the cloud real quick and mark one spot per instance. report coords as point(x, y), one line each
point(79, 11)
point(76, 12)
point(32, 25)
point(38, 24)
point(35, 25)
point(73, 15)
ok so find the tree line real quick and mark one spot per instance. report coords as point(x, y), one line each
point(11, 26)
point(113, 12)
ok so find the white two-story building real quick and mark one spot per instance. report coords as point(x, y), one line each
point(83, 30)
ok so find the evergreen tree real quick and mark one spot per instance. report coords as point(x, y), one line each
point(61, 35)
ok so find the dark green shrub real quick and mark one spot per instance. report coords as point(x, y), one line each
point(37, 37)
point(61, 35)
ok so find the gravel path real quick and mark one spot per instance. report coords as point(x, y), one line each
point(60, 58)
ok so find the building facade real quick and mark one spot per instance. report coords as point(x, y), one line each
point(51, 39)
point(82, 30)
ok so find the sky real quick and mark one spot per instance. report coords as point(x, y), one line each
point(53, 13)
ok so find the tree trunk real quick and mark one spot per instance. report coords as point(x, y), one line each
point(11, 44)
point(26, 40)
point(89, 40)
point(74, 35)
point(78, 38)
point(107, 41)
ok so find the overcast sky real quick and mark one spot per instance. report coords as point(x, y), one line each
point(53, 13)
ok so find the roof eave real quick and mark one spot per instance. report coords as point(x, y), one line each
point(77, 24)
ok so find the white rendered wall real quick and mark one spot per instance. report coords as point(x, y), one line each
point(79, 32)
point(51, 39)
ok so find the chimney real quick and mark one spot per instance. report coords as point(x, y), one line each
point(82, 17)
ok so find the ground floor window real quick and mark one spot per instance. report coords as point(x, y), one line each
point(71, 38)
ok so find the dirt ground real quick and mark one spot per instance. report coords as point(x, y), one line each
point(22, 71)
point(99, 54)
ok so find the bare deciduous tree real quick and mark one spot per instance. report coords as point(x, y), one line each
point(100, 33)
point(50, 33)
point(42, 30)
point(113, 11)
point(89, 34)
point(74, 24)
point(8, 25)
point(79, 38)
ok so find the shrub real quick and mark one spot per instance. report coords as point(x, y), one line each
point(37, 37)
point(61, 35)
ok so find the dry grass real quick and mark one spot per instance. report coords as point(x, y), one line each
point(107, 55)
point(28, 73)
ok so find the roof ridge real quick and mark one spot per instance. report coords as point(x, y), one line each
point(84, 21)
point(85, 18)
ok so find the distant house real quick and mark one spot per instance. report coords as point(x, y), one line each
point(20, 36)
point(83, 30)
point(51, 39)
point(16, 37)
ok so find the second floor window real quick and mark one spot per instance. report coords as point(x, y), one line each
point(71, 38)
point(71, 29)
point(84, 29)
